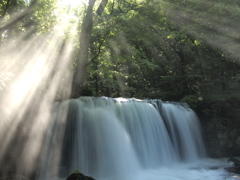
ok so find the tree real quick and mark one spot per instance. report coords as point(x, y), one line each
point(85, 44)
point(85, 40)
point(19, 17)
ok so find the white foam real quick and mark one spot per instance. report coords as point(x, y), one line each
point(205, 169)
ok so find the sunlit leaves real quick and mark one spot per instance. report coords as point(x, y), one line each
point(43, 15)
point(167, 47)
point(211, 21)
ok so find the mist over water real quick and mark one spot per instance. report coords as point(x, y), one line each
point(108, 139)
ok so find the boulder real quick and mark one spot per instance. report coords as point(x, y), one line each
point(78, 176)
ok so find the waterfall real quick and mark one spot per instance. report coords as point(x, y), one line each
point(112, 139)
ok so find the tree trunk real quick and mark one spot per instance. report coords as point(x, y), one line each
point(102, 7)
point(85, 40)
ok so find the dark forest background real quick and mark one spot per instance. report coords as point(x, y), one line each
point(174, 50)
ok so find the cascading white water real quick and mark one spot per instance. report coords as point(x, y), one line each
point(119, 138)
point(183, 127)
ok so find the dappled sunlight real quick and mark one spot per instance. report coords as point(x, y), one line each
point(72, 3)
point(126, 52)
point(211, 22)
point(34, 72)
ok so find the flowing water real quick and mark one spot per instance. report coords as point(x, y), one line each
point(130, 139)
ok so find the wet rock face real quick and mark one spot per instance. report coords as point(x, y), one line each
point(238, 141)
point(221, 141)
point(78, 176)
point(221, 126)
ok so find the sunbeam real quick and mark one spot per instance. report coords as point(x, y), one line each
point(211, 22)
point(73, 3)
point(52, 51)
point(33, 74)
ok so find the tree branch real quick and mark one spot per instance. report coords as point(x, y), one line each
point(102, 7)
point(99, 52)
point(5, 10)
point(19, 17)
point(130, 9)
point(112, 7)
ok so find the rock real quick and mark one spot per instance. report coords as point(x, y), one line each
point(236, 165)
point(78, 176)
point(237, 141)
point(234, 160)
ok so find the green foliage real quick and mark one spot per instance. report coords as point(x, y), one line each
point(192, 100)
point(161, 59)
point(43, 16)
point(174, 50)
